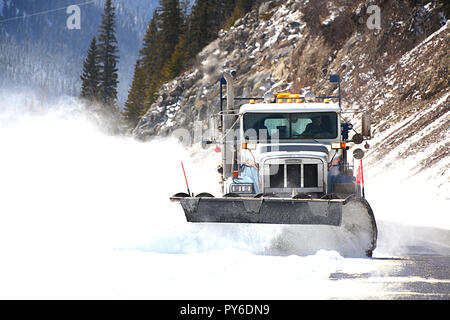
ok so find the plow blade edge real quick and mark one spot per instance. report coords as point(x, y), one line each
point(260, 210)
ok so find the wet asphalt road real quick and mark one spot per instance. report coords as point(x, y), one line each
point(412, 262)
point(409, 277)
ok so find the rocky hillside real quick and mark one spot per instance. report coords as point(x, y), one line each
point(398, 72)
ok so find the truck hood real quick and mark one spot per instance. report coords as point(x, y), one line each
point(287, 150)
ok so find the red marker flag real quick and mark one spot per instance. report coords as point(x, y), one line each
point(185, 178)
point(360, 174)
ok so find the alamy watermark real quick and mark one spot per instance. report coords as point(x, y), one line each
point(374, 20)
point(74, 20)
point(224, 142)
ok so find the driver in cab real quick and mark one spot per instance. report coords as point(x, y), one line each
point(314, 128)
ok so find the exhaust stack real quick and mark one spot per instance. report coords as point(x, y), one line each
point(227, 135)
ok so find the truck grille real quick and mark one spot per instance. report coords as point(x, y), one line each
point(293, 176)
point(277, 178)
point(310, 179)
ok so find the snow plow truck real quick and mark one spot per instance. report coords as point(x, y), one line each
point(285, 161)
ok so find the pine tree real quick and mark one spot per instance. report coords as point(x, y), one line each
point(176, 63)
point(445, 7)
point(228, 8)
point(160, 59)
point(199, 28)
point(147, 70)
point(206, 19)
point(171, 26)
point(151, 52)
point(153, 60)
point(108, 59)
point(241, 8)
point(134, 107)
point(185, 8)
point(91, 74)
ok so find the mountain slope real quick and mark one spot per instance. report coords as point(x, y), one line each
point(398, 73)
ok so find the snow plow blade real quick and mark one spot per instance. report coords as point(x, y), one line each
point(262, 210)
point(352, 218)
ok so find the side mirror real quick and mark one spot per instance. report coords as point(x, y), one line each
point(366, 126)
point(358, 138)
point(358, 154)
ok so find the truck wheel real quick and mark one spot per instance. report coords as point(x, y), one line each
point(204, 195)
point(231, 195)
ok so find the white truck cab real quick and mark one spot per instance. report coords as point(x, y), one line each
point(287, 145)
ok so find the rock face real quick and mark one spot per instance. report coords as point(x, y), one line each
point(398, 72)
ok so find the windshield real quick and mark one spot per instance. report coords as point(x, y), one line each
point(315, 125)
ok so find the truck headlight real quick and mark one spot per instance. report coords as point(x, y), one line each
point(242, 188)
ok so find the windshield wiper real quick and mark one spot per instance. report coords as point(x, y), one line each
point(306, 137)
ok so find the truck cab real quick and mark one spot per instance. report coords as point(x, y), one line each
point(291, 147)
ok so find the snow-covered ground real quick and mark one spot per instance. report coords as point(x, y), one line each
point(86, 215)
